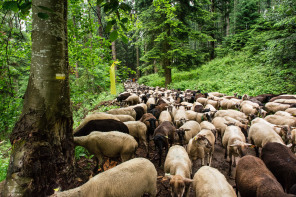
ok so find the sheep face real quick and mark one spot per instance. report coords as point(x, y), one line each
point(179, 185)
point(181, 134)
point(202, 141)
point(240, 148)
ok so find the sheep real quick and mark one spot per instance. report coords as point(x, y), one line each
point(100, 125)
point(150, 101)
point(220, 125)
point(164, 116)
point(180, 117)
point(123, 96)
point(260, 134)
point(111, 144)
point(282, 130)
point(235, 145)
point(178, 165)
point(283, 97)
point(163, 135)
point(187, 131)
point(293, 138)
point(233, 114)
point(216, 94)
point(209, 126)
point(212, 104)
point(208, 181)
point(272, 107)
point(211, 107)
point(138, 172)
point(244, 127)
point(281, 120)
point(158, 109)
point(133, 99)
point(283, 113)
point(197, 107)
point(138, 130)
point(202, 100)
point(96, 116)
point(254, 179)
point(124, 118)
point(285, 101)
point(191, 115)
point(291, 111)
point(150, 121)
point(139, 112)
point(281, 161)
point(142, 105)
point(201, 145)
point(249, 108)
point(123, 111)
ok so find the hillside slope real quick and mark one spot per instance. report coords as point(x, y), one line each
point(234, 73)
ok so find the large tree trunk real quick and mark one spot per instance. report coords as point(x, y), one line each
point(113, 50)
point(42, 156)
point(227, 18)
point(101, 33)
point(212, 43)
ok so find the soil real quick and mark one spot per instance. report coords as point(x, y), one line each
point(85, 167)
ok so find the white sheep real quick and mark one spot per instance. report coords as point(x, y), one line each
point(249, 108)
point(150, 101)
point(133, 99)
point(189, 130)
point(274, 107)
point(209, 181)
point(283, 113)
point(110, 144)
point(261, 133)
point(202, 100)
point(124, 118)
point(291, 111)
point(281, 120)
point(123, 111)
point(164, 116)
point(201, 145)
point(139, 173)
point(191, 115)
point(209, 126)
point(178, 165)
point(220, 124)
point(234, 142)
point(138, 130)
point(233, 103)
point(240, 116)
point(180, 117)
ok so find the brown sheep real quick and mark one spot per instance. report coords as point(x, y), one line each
point(254, 179)
point(280, 160)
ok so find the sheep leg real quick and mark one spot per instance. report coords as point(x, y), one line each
point(230, 163)
point(202, 161)
point(234, 162)
point(210, 157)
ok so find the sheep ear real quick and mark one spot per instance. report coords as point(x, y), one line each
point(247, 144)
point(234, 145)
point(289, 145)
point(188, 181)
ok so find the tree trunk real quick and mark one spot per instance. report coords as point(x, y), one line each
point(227, 19)
point(113, 50)
point(166, 60)
point(101, 33)
point(138, 62)
point(42, 157)
point(212, 43)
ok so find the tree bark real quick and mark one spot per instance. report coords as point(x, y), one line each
point(227, 18)
point(101, 33)
point(42, 157)
point(166, 59)
point(113, 50)
point(138, 62)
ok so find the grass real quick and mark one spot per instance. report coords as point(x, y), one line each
point(5, 149)
point(235, 73)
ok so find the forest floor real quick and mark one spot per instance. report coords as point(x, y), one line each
point(85, 166)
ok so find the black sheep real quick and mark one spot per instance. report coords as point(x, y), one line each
point(101, 125)
point(140, 112)
point(123, 96)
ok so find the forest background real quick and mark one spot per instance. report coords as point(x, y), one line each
point(243, 46)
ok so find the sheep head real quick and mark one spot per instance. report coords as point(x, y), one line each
point(240, 148)
point(202, 141)
point(178, 185)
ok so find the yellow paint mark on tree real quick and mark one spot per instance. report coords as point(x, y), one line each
point(112, 78)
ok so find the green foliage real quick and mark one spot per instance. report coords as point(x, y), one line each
point(82, 152)
point(5, 149)
point(235, 73)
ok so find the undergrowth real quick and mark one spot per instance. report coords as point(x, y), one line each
point(235, 73)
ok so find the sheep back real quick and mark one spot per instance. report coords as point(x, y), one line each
point(209, 181)
point(280, 160)
point(139, 173)
point(101, 125)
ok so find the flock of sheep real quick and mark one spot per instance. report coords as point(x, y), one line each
point(184, 127)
